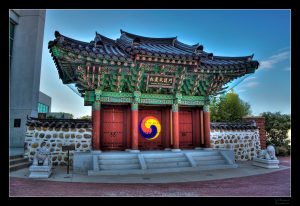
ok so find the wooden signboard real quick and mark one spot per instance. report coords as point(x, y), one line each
point(160, 81)
point(68, 147)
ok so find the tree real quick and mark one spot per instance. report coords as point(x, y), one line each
point(51, 117)
point(86, 117)
point(277, 126)
point(229, 108)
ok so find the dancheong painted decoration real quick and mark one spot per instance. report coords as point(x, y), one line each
point(134, 77)
point(150, 128)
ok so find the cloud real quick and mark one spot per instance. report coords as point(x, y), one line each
point(284, 48)
point(241, 90)
point(251, 84)
point(287, 69)
point(274, 59)
point(249, 79)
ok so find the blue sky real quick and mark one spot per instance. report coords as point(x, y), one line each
point(266, 33)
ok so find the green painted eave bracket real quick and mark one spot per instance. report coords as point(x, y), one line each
point(56, 52)
point(122, 97)
point(250, 70)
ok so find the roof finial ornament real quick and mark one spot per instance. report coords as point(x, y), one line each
point(97, 40)
point(57, 34)
point(250, 57)
point(174, 40)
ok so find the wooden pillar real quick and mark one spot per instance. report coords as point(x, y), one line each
point(96, 125)
point(202, 142)
point(175, 126)
point(206, 119)
point(134, 126)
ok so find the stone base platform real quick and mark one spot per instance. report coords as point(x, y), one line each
point(270, 164)
point(152, 162)
point(40, 171)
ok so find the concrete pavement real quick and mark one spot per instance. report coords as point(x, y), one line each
point(244, 169)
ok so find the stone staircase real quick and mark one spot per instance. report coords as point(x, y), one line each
point(17, 162)
point(159, 162)
point(210, 160)
point(117, 164)
point(166, 162)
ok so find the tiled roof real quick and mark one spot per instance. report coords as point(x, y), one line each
point(232, 126)
point(79, 123)
point(129, 48)
point(59, 123)
point(128, 45)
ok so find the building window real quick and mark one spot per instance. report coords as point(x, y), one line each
point(17, 122)
point(11, 37)
point(42, 108)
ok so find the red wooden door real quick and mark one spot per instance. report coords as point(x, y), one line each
point(155, 144)
point(113, 128)
point(185, 129)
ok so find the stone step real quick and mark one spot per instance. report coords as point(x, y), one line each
point(168, 165)
point(15, 157)
point(17, 160)
point(19, 166)
point(210, 162)
point(118, 161)
point(207, 153)
point(170, 159)
point(213, 157)
point(139, 171)
point(115, 172)
point(117, 156)
point(219, 166)
point(160, 170)
point(119, 167)
point(164, 155)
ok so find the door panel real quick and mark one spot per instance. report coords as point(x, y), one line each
point(155, 144)
point(113, 128)
point(185, 129)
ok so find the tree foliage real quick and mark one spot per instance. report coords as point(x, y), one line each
point(86, 117)
point(51, 117)
point(277, 126)
point(229, 108)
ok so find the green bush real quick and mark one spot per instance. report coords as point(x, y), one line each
point(282, 151)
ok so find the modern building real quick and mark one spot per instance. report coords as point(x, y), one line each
point(146, 93)
point(44, 104)
point(26, 33)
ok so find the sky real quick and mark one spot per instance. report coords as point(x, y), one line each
point(264, 33)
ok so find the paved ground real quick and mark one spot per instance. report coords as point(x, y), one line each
point(276, 183)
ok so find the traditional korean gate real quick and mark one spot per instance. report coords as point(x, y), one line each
point(185, 128)
point(155, 144)
point(113, 128)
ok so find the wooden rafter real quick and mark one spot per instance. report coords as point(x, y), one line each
point(119, 79)
point(139, 77)
point(181, 77)
point(196, 84)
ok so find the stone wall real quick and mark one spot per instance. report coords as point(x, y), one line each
point(260, 123)
point(56, 134)
point(243, 138)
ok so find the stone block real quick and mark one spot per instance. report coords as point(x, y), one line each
point(270, 164)
point(40, 171)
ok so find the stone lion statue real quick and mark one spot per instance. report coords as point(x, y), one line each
point(271, 152)
point(268, 154)
point(42, 156)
